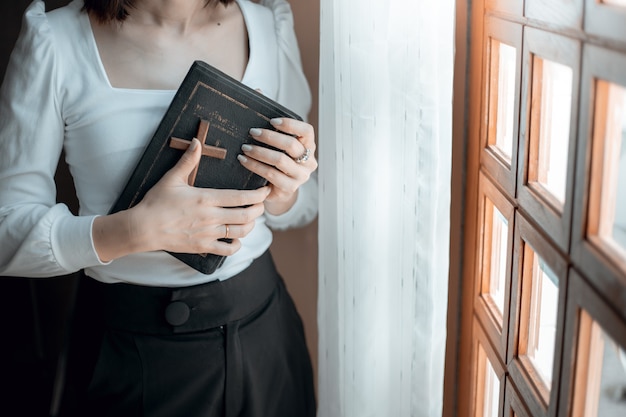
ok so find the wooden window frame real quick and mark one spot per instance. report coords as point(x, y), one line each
point(471, 106)
point(541, 402)
point(582, 296)
point(605, 272)
point(531, 198)
point(605, 20)
point(497, 332)
point(510, 34)
point(510, 7)
point(480, 339)
point(513, 402)
point(559, 13)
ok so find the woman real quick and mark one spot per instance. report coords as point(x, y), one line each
point(153, 336)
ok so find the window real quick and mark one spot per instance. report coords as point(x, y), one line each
point(600, 382)
point(502, 101)
point(537, 310)
point(494, 270)
point(552, 87)
point(488, 372)
point(498, 253)
point(598, 247)
point(539, 325)
point(608, 227)
point(491, 385)
point(596, 337)
point(503, 45)
point(547, 144)
point(545, 225)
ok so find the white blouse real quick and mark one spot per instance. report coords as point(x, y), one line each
point(56, 96)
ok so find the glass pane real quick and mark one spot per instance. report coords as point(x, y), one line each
point(610, 167)
point(491, 385)
point(600, 389)
point(497, 256)
point(503, 64)
point(550, 127)
point(540, 325)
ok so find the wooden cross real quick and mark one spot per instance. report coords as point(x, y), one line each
point(207, 150)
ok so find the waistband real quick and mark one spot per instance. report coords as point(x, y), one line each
point(163, 311)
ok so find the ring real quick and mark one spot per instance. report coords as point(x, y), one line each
point(227, 231)
point(304, 157)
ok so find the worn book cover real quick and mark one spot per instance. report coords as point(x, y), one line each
point(219, 111)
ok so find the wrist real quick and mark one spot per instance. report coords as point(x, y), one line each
point(119, 234)
point(276, 207)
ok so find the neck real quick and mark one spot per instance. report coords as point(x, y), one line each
point(179, 15)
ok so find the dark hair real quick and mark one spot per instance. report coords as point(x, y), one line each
point(107, 10)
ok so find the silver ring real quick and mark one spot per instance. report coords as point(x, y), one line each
point(304, 157)
point(227, 231)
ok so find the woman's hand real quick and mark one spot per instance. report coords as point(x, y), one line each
point(286, 171)
point(177, 217)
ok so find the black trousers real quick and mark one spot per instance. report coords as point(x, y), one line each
point(225, 349)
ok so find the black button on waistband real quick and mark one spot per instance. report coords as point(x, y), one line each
point(177, 313)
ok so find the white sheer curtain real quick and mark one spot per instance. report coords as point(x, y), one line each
point(384, 151)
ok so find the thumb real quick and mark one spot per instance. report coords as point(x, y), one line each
point(188, 161)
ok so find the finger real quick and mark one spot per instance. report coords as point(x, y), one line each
point(236, 216)
point(188, 161)
point(273, 158)
point(232, 198)
point(293, 147)
point(222, 248)
point(234, 231)
point(303, 131)
point(279, 179)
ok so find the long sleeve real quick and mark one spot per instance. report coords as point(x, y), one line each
point(294, 93)
point(38, 237)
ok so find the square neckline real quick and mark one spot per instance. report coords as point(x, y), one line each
point(86, 23)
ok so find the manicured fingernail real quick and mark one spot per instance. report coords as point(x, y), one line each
point(255, 131)
point(194, 144)
point(276, 122)
point(246, 148)
point(242, 158)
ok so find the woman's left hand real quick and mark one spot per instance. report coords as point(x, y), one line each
point(285, 171)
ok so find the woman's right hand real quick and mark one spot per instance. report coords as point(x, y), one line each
point(177, 217)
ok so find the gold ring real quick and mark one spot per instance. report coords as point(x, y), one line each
point(227, 231)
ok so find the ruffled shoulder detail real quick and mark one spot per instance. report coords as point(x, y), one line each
point(35, 32)
point(32, 62)
point(35, 14)
point(294, 89)
point(36, 29)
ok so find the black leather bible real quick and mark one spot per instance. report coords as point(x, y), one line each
point(219, 111)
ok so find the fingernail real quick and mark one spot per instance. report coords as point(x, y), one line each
point(246, 148)
point(194, 144)
point(255, 131)
point(242, 158)
point(276, 122)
